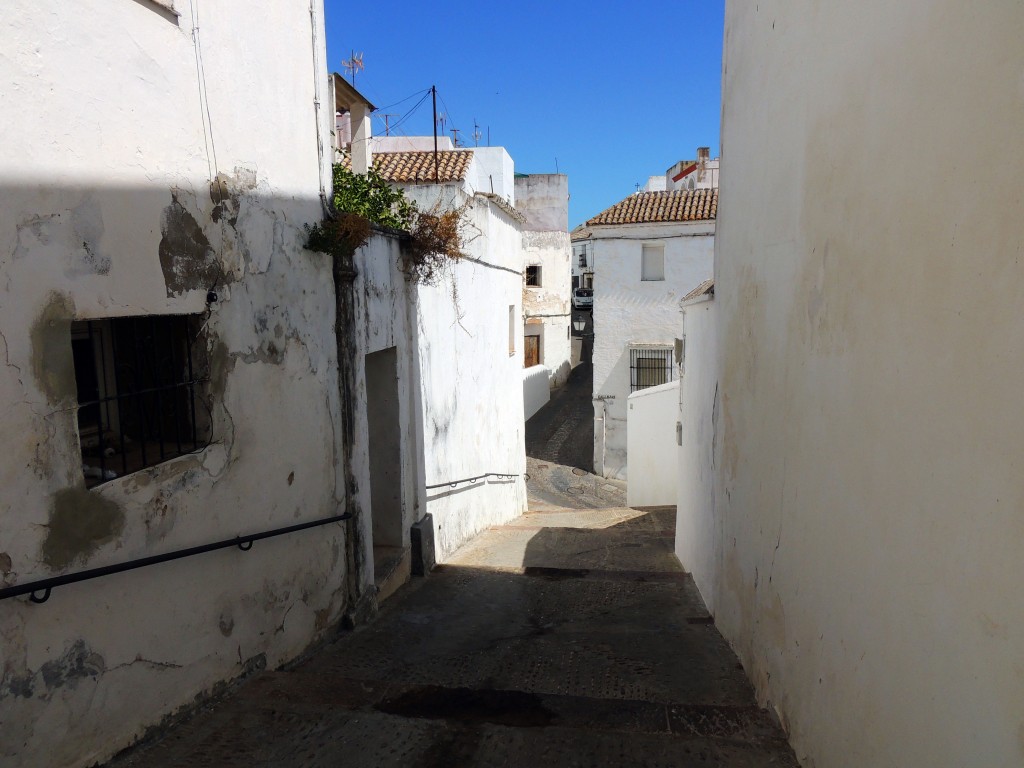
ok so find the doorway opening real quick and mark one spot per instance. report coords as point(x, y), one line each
point(385, 444)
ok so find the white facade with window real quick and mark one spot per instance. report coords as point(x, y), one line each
point(582, 258)
point(644, 272)
point(543, 200)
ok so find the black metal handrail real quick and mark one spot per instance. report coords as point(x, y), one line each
point(244, 543)
point(454, 483)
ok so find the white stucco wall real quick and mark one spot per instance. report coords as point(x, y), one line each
point(628, 310)
point(536, 392)
point(493, 172)
point(651, 440)
point(104, 150)
point(871, 434)
point(697, 545)
point(471, 387)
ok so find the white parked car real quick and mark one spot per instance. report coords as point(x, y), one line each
point(583, 298)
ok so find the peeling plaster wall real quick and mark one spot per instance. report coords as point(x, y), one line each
point(471, 387)
point(628, 310)
point(544, 200)
point(109, 211)
point(871, 441)
point(385, 311)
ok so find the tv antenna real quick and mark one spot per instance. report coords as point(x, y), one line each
point(353, 64)
point(476, 134)
point(455, 137)
point(442, 119)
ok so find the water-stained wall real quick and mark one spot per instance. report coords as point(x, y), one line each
point(871, 433)
point(134, 182)
point(543, 199)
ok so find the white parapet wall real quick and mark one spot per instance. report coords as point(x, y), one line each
point(536, 392)
point(695, 542)
point(651, 416)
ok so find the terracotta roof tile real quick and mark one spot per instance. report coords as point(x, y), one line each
point(657, 207)
point(406, 167)
point(707, 288)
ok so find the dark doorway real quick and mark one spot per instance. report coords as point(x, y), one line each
point(385, 447)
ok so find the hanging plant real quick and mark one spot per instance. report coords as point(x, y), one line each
point(360, 203)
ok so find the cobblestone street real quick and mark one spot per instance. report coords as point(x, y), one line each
point(568, 637)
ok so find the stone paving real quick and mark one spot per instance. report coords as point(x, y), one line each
point(570, 637)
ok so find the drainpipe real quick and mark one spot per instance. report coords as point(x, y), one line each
point(600, 411)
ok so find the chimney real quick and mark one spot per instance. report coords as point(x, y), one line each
point(703, 154)
point(352, 105)
point(362, 157)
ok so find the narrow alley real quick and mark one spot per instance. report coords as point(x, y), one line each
point(570, 636)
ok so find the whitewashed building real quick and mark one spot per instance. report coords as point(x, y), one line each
point(859, 544)
point(582, 258)
point(650, 250)
point(469, 328)
point(168, 367)
point(543, 199)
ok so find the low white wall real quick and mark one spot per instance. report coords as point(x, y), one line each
point(535, 389)
point(651, 442)
point(695, 540)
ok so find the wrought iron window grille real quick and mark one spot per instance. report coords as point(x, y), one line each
point(649, 367)
point(141, 383)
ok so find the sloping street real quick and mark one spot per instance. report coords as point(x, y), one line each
point(569, 637)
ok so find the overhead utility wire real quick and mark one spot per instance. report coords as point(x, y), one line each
point(449, 113)
point(412, 96)
point(407, 115)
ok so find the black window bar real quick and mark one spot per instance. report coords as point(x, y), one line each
point(138, 384)
point(649, 368)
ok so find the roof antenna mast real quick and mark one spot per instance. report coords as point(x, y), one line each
point(353, 64)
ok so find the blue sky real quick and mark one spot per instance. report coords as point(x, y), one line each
point(615, 91)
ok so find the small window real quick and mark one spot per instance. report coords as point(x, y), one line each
point(583, 258)
point(649, 367)
point(652, 262)
point(533, 276)
point(511, 329)
point(141, 386)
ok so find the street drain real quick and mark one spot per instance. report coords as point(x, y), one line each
point(578, 471)
point(514, 708)
point(577, 489)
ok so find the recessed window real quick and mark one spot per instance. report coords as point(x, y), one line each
point(652, 262)
point(141, 392)
point(649, 367)
point(533, 276)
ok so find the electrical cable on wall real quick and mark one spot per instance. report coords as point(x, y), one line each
point(204, 101)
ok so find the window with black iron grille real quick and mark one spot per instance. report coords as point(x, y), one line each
point(533, 275)
point(141, 392)
point(649, 367)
